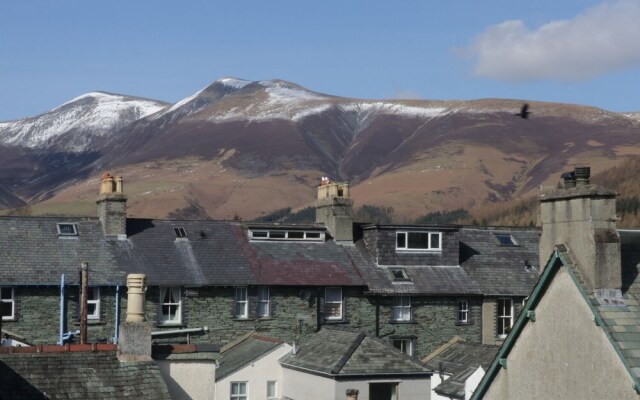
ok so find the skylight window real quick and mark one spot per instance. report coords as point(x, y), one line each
point(399, 275)
point(505, 239)
point(180, 232)
point(67, 230)
point(286, 235)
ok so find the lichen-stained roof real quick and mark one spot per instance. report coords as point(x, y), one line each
point(245, 352)
point(220, 253)
point(342, 353)
point(78, 375)
point(500, 269)
point(32, 252)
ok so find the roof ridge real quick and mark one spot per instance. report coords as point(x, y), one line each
point(347, 355)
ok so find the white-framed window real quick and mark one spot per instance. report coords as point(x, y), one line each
point(404, 345)
point(171, 305)
point(418, 241)
point(242, 303)
point(333, 303)
point(67, 229)
point(93, 303)
point(239, 391)
point(264, 302)
point(463, 311)
point(504, 316)
point(7, 303)
point(258, 234)
point(272, 390)
point(505, 239)
point(401, 308)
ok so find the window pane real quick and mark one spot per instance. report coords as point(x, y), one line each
point(276, 234)
point(263, 309)
point(435, 241)
point(6, 309)
point(240, 309)
point(5, 293)
point(263, 293)
point(401, 240)
point(418, 240)
point(271, 390)
point(241, 294)
point(259, 234)
point(333, 310)
point(296, 235)
point(333, 294)
point(313, 235)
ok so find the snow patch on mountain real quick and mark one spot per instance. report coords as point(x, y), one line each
point(91, 115)
point(234, 82)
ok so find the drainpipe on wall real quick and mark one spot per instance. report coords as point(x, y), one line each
point(61, 308)
point(117, 321)
point(318, 319)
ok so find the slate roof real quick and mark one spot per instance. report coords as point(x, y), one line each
point(499, 269)
point(220, 253)
point(78, 375)
point(32, 252)
point(342, 354)
point(244, 353)
point(458, 360)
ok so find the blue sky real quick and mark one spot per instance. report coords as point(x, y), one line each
point(584, 52)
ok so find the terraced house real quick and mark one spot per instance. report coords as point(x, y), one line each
point(213, 281)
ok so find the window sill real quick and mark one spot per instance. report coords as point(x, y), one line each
point(402, 322)
point(240, 319)
point(335, 321)
point(419, 251)
point(459, 323)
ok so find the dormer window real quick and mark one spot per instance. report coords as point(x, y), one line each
point(286, 235)
point(399, 275)
point(418, 241)
point(505, 239)
point(180, 232)
point(67, 230)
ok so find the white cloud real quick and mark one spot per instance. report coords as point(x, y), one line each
point(600, 39)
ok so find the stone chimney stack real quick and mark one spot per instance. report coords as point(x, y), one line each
point(112, 206)
point(582, 216)
point(135, 332)
point(334, 208)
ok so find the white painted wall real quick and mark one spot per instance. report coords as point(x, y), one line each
point(189, 379)
point(435, 381)
point(256, 374)
point(306, 386)
point(472, 382)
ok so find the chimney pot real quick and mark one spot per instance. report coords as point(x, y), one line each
point(352, 394)
point(136, 287)
point(582, 175)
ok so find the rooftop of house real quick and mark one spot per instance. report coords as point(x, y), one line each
point(77, 371)
point(342, 354)
point(244, 351)
point(502, 261)
point(458, 359)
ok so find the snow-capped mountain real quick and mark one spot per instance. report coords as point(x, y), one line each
point(77, 125)
point(447, 153)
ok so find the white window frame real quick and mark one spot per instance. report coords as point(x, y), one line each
point(401, 309)
point(463, 311)
point(11, 300)
point(71, 224)
point(177, 305)
point(239, 393)
point(274, 395)
point(266, 234)
point(406, 345)
point(504, 317)
point(95, 301)
point(403, 245)
point(241, 303)
point(263, 308)
point(334, 302)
